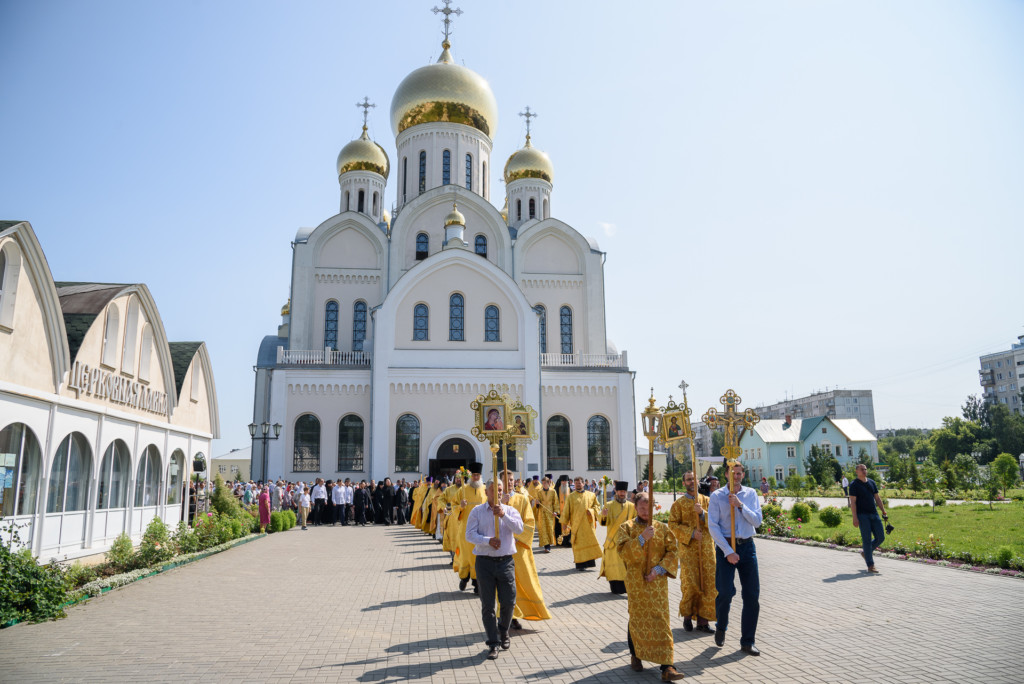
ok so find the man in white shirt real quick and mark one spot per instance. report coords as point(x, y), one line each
point(346, 499)
point(495, 563)
point(338, 499)
point(319, 496)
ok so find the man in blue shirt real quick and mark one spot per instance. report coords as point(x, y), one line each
point(747, 507)
point(863, 496)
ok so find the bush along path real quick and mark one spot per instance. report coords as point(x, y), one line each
point(34, 592)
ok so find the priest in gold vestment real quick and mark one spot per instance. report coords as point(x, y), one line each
point(417, 503)
point(688, 520)
point(648, 550)
point(529, 597)
point(613, 515)
point(473, 494)
point(579, 517)
point(452, 496)
point(546, 505)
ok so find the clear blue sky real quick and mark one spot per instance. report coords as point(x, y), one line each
point(792, 195)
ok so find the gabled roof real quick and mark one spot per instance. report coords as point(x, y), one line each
point(809, 426)
point(182, 354)
point(775, 431)
point(853, 430)
point(80, 304)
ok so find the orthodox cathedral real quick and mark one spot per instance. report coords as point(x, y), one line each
point(396, 322)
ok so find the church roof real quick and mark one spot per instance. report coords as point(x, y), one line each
point(267, 355)
point(182, 354)
point(853, 430)
point(773, 430)
point(80, 304)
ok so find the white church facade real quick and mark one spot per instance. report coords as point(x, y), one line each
point(395, 324)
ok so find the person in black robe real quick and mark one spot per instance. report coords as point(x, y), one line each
point(378, 504)
point(401, 502)
point(361, 501)
point(387, 500)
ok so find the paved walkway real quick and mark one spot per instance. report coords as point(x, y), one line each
point(381, 605)
point(665, 499)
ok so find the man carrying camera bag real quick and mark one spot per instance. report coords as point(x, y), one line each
point(863, 497)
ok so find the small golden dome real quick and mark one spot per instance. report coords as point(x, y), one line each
point(386, 217)
point(287, 308)
point(362, 154)
point(444, 91)
point(528, 162)
point(504, 210)
point(455, 217)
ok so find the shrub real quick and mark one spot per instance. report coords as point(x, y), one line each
point(773, 510)
point(28, 590)
point(771, 483)
point(184, 539)
point(814, 505)
point(236, 528)
point(77, 574)
point(290, 518)
point(121, 555)
point(830, 516)
point(276, 522)
point(840, 539)
point(156, 544)
point(817, 537)
point(801, 511)
point(939, 500)
point(1003, 556)
point(223, 501)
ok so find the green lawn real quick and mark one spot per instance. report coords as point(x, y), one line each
point(960, 528)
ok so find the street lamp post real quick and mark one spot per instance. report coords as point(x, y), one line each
point(264, 437)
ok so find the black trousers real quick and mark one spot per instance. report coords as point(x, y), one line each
point(496, 575)
point(318, 511)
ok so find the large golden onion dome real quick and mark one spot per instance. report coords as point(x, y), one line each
point(528, 162)
point(444, 91)
point(454, 217)
point(362, 154)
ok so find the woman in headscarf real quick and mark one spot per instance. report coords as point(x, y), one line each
point(264, 500)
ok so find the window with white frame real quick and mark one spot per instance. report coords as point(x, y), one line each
point(791, 451)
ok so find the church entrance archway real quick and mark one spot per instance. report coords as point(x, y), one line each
point(454, 453)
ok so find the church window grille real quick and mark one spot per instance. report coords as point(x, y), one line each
point(519, 210)
point(559, 455)
point(422, 246)
point(457, 318)
point(407, 444)
point(423, 172)
point(480, 245)
point(565, 329)
point(533, 208)
point(20, 496)
point(446, 167)
point(405, 177)
point(358, 325)
point(331, 325)
point(147, 478)
point(599, 444)
point(350, 444)
point(469, 172)
point(306, 453)
point(361, 202)
point(492, 324)
point(420, 322)
point(543, 328)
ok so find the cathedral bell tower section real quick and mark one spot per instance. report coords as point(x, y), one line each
point(363, 168)
point(528, 178)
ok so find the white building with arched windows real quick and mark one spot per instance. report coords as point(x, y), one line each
point(101, 418)
point(394, 324)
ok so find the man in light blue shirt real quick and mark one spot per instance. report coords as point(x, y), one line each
point(495, 563)
point(747, 506)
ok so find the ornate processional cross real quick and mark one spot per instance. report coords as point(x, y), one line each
point(730, 421)
point(365, 105)
point(528, 115)
point(447, 12)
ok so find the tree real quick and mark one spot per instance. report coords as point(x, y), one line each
point(717, 442)
point(977, 411)
point(1007, 429)
point(914, 477)
point(819, 465)
point(1006, 470)
point(922, 450)
point(966, 470)
point(956, 436)
point(930, 478)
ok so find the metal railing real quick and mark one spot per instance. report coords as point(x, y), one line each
point(321, 357)
point(584, 360)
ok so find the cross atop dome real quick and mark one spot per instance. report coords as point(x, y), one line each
point(365, 105)
point(527, 114)
point(447, 11)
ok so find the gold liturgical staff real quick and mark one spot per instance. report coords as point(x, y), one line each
point(729, 422)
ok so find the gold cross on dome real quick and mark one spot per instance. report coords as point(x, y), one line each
point(447, 11)
point(527, 114)
point(365, 105)
point(730, 420)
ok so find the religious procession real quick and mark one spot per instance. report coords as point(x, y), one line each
point(490, 529)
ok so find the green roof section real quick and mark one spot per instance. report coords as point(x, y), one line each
point(809, 425)
point(4, 225)
point(77, 325)
point(182, 354)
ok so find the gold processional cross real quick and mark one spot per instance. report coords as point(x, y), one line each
point(447, 11)
point(730, 421)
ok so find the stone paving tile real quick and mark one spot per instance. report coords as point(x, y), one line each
point(376, 604)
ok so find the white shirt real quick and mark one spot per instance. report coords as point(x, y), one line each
point(846, 483)
point(480, 530)
point(346, 494)
point(304, 501)
point(338, 495)
point(319, 492)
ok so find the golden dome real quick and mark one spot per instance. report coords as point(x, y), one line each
point(386, 217)
point(455, 217)
point(528, 162)
point(444, 91)
point(362, 154)
point(287, 308)
point(504, 210)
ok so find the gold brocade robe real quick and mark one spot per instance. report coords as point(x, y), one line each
point(529, 597)
point(451, 521)
point(696, 558)
point(649, 621)
point(612, 567)
point(548, 500)
point(580, 516)
point(436, 506)
point(428, 498)
point(465, 559)
point(417, 502)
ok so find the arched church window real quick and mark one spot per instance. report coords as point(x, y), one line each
point(519, 210)
point(446, 167)
point(115, 471)
point(10, 267)
point(480, 245)
point(20, 489)
point(131, 328)
point(407, 443)
point(348, 201)
point(533, 208)
point(350, 444)
point(376, 204)
point(145, 353)
point(469, 172)
point(422, 246)
point(559, 456)
point(306, 453)
point(147, 477)
point(565, 329)
point(358, 325)
point(405, 177)
point(361, 202)
point(423, 171)
point(543, 316)
point(175, 473)
point(545, 214)
point(456, 318)
point(599, 444)
point(492, 324)
point(110, 336)
point(69, 476)
point(483, 179)
point(420, 322)
point(331, 325)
